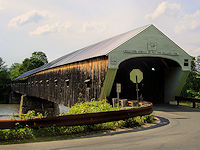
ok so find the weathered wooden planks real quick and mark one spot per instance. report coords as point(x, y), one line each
point(68, 84)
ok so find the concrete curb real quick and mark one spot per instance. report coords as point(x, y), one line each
point(159, 122)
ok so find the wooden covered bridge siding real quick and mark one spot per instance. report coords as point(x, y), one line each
point(67, 84)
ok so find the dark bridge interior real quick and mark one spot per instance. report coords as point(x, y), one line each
point(155, 73)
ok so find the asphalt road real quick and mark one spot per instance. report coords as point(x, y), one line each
point(179, 129)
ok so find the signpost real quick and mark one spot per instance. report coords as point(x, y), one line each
point(136, 76)
point(118, 90)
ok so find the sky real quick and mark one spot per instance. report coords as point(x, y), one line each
point(58, 27)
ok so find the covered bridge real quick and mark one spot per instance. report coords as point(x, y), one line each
point(92, 72)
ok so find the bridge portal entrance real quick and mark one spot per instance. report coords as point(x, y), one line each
point(159, 79)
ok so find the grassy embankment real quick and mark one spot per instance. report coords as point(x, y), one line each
point(26, 134)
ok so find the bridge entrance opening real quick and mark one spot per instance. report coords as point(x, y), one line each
point(160, 76)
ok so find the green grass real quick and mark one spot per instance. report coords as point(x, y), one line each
point(185, 103)
point(51, 138)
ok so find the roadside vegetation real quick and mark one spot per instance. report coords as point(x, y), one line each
point(192, 86)
point(21, 134)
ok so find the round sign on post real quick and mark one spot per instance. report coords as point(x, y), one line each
point(136, 76)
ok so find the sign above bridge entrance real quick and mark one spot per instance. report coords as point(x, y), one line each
point(136, 75)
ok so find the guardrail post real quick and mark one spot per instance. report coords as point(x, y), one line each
point(115, 102)
point(178, 102)
point(124, 102)
point(194, 105)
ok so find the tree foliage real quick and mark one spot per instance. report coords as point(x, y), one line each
point(7, 75)
point(192, 83)
point(36, 60)
point(198, 64)
point(4, 82)
point(14, 71)
point(1, 63)
point(40, 56)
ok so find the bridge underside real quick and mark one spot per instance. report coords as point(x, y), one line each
point(160, 77)
point(39, 105)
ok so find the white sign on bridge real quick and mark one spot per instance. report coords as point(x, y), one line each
point(118, 88)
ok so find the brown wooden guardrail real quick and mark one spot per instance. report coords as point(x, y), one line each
point(78, 119)
point(193, 100)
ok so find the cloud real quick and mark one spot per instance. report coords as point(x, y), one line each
point(29, 17)
point(188, 22)
point(162, 8)
point(1, 5)
point(195, 51)
point(93, 26)
point(50, 28)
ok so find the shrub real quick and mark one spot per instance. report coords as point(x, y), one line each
point(56, 130)
point(92, 107)
point(150, 118)
point(16, 134)
point(31, 115)
point(138, 121)
point(20, 133)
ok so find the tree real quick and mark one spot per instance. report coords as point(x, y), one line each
point(36, 60)
point(2, 63)
point(195, 93)
point(198, 64)
point(6, 75)
point(40, 56)
point(4, 82)
point(192, 82)
point(14, 71)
